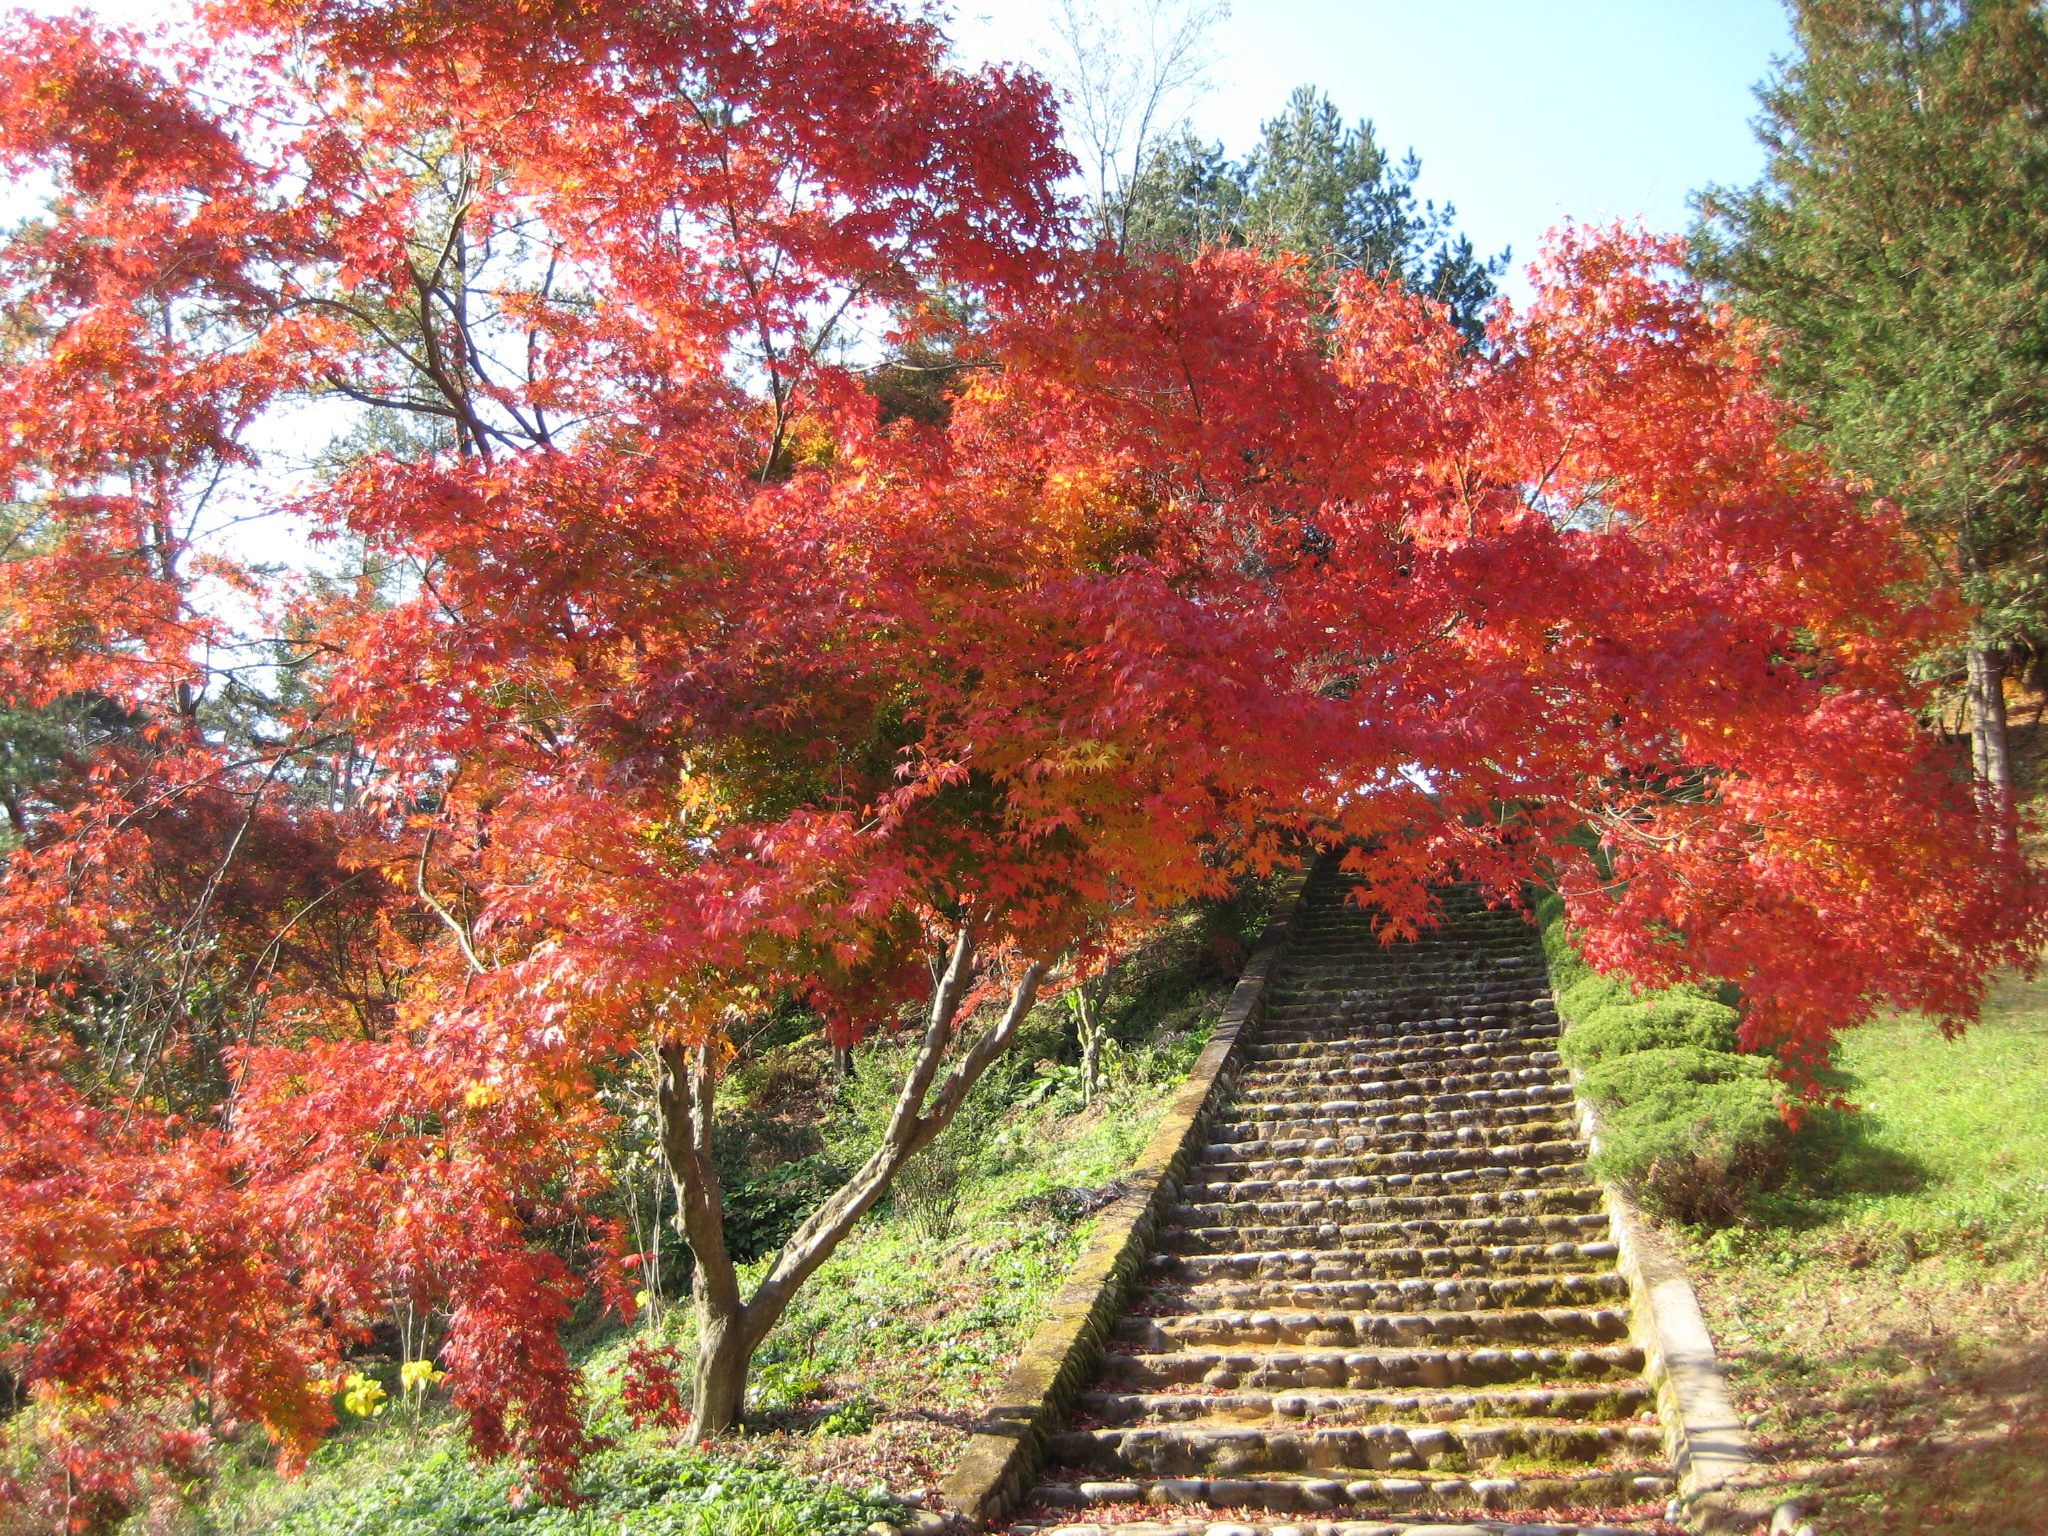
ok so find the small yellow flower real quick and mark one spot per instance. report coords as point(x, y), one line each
point(364, 1396)
point(418, 1375)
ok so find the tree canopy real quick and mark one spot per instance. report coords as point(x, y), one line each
point(1319, 189)
point(678, 679)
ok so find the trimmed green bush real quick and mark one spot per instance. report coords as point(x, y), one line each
point(1664, 1021)
point(1665, 1076)
point(1698, 1152)
point(1591, 992)
point(1690, 1124)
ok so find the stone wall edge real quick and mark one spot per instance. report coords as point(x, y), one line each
point(995, 1470)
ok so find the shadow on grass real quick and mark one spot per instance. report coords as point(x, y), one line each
point(1925, 1431)
point(1837, 1155)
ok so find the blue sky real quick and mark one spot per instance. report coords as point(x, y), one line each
point(1524, 112)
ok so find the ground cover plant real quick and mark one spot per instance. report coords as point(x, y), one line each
point(680, 682)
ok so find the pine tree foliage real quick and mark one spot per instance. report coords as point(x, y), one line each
point(1898, 243)
point(1320, 189)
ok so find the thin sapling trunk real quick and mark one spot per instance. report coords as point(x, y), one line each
point(1089, 1031)
point(1990, 747)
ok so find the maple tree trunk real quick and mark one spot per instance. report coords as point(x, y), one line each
point(1990, 749)
point(1091, 1044)
point(730, 1328)
point(719, 1393)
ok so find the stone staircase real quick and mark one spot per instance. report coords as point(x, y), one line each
point(1388, 1291)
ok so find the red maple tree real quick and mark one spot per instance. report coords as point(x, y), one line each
point(705, 681)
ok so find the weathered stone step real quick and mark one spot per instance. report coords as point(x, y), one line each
point(1346, 979)
point(1392, 1132)
point(1280, 1369)
point(1393, 1093)
point(1348, 1328)
point(1620, 1400)
point(1365, 1164)
point(1556, 1490)
point(1371, 1083)
point(1326, 1027)
point(1327, 1160)
point(1366, 1128)
point(1404, 1204)
point(1240, 1209)
point(1232, 1450)
point(1401, 1057)
point(1337, 1262)
point(1473, 1293)
point(1340, 988)
point(1393, 1047)
point(1394, 1056)
point(1390, 1104)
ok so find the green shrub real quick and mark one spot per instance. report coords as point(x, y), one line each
point(1688, 1122)
point(1665, 1078)
point(1662, 1021)
point(1696, 1152)
point(1592, 992)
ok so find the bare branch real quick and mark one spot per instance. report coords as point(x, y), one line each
point(419, 884)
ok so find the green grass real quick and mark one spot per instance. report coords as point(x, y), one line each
point(1945, 1154)
point(1884, 1315)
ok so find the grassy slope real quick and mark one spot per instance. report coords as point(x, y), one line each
point(1888, 1329)
point(1885, 1320)
point(869, 1382)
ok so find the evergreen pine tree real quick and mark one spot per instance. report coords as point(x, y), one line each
point(1898, 242)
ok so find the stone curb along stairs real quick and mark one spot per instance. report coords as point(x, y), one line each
point(1001, 1459)
point(1363, 1270)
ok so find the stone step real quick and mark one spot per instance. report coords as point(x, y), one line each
point(1432, 1031)
point(1505, 1159)
point(1482, 1232)
point(1192, 1261)
point(1399, 1065)
point(1621, 1400)
point(1225, 1207)
point(1233, 1450)
point(1369, 1083)
point(1441, 1130)
point(1395, 1058)
point(1397, 1095)
point(1391, 1045)
point(1423, 1071)
point(1385, 1106)
point(1351, 1328)
point(1209, 1187)
point(1281, 1369)
point(1473, 1293)
point(1311, 1495)
point(1438, 995)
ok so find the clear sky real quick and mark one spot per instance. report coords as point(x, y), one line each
point(1524, 112)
